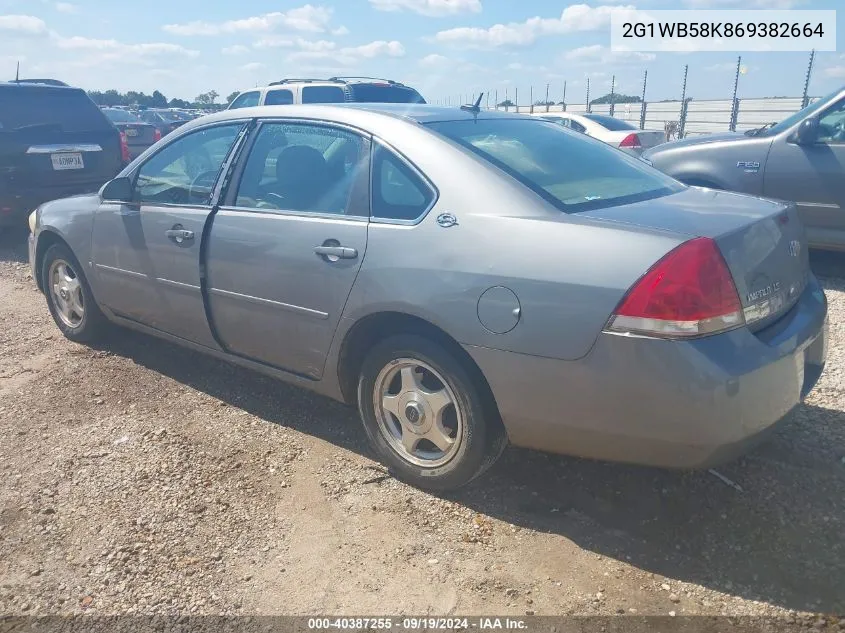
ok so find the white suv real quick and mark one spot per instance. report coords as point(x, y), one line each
point(334, 90)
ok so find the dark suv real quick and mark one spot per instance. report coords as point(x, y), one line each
point(54, 142)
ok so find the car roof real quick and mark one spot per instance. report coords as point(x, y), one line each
point(28, 85)
point(419, 113)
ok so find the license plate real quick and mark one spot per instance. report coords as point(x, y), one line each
point(131, 132)
point(67, 161)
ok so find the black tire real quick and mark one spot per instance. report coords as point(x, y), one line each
point(482, 438)
point(93, 323)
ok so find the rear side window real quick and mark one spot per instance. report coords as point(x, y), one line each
point(610, 123)
point(398, 191)
point(69, 110)
point(279, 97)
point(246, 100)
point(572, 172)
point(384, 93)
point(322, 94)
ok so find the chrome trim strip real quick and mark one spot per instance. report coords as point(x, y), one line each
point(177, 284)
point(269, 302)
point(61, 149)
point(121, 271)
point(821, 205)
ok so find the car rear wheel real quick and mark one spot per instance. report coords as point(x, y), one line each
point(69, 297)
point(426, 417)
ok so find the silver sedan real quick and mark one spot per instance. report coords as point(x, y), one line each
point(464, 278)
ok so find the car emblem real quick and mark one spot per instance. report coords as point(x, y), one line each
point(446, 220)
point(795, 248)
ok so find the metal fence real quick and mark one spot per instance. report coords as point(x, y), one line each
point(702, 117)
point(678, 118)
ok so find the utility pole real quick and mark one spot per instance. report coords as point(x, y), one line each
point(683, 118)
point(588, 94)
point(612, 99)
point(547, 97)
point(642, 102)
point(734, 103)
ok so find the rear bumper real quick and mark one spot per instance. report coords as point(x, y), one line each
point(678, 404)
point(15, 208)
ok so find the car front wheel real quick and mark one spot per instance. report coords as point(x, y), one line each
point(426, 417)
point(69, 297)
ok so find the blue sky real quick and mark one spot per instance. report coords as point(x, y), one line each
point(442, 47)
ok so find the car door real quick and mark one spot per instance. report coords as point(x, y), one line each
point(146, 253)
point(285, 248)
point(814, 177)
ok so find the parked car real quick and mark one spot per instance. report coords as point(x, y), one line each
point(334, 90)
point(54, 142)
point(464, 277)
point(801, 159)
point(137, 134)
point(165, 121)
point(613, 131)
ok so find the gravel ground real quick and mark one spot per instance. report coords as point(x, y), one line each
point(144, 478)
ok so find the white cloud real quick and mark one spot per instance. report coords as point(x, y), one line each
point(434, 61)
point(576, 17)
point(66, 7)
point(300, 43)
point(837, 72)
point(251, 67)
point(307, 18)
point(341, 30)
point(597, 53)
point(433, 8)
point(112, 49)
point(237, 49)
point(23, 24)
point(352, 54)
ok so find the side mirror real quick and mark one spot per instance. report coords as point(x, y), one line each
point(808, 132)
point(117, 190)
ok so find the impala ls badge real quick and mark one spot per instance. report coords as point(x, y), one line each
point(795, 248)
point(446, 220)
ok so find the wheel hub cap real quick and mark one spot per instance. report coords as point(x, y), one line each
point(414, 413)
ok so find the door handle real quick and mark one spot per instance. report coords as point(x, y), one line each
point(179, 235)
point(334, 253)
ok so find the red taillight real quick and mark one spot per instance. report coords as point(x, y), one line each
point(156, 135)
point(689, 292)
point(124, 148)
point(632, 140)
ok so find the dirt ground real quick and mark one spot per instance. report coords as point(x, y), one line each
point(139, 477)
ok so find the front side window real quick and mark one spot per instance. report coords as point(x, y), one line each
point(279, 97)
point(184, 172)
point(832, 125)
point(398, 192)
point(322, 94)
point(572, 172)
point(246, 100)
point(301, 167)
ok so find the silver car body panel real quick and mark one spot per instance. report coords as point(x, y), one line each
point(525, 289)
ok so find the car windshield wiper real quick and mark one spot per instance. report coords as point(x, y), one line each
point(759, 130)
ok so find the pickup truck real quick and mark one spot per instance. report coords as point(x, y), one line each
point(801, 159)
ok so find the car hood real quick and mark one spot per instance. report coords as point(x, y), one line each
point(704, 139)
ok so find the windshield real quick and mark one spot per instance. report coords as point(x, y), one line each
point(121, 116)
point(63, 108)
point(384, 93)
point(167, 115)
point(609, 123)
point(792, 119)
point(571, 171)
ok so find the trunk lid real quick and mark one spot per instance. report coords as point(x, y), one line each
point(762, 241)
point(650, 138)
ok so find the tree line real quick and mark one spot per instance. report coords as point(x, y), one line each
point(156, 99)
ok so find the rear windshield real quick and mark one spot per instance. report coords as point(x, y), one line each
point(121, 116)
point(571, 171)
point(384, 93)
point(167, 115)
point(69, 110)
point(609, 122)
